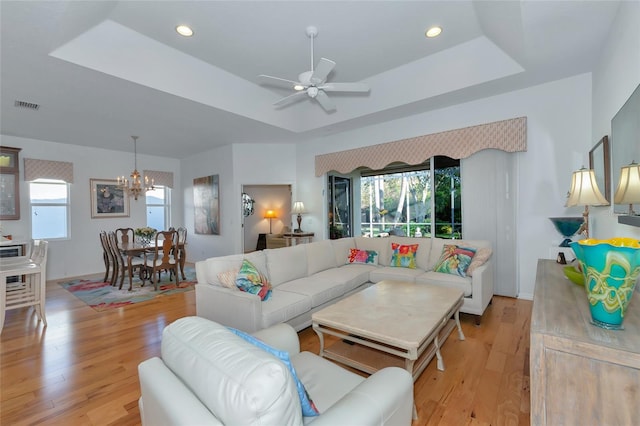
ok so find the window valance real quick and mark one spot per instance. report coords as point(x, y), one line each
point(47, 169)
point(159, 177)
point(506, 135)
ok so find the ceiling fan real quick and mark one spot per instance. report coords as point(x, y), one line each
point(314, 83)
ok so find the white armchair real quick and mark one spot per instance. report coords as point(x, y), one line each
point(208, 375)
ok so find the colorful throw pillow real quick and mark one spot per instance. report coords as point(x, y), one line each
point(228, 278)
point(482, 255)
point(404, 256)
point(454, 260)
point(308, 407)
point(362, 256)
point(249, 279)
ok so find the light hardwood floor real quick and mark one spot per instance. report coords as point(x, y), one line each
point(82, 368)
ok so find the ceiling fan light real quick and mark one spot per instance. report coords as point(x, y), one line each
point(184, 30)
point(298, 87)
point(433, 32)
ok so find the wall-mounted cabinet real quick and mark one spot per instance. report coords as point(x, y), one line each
point(9, 183)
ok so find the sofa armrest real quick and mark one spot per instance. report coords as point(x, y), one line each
point(166, 400)
point(482, 284)
point(232, 308)
point(384, 398)
point(281, 336)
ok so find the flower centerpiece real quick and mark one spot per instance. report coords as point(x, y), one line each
point(145, 235)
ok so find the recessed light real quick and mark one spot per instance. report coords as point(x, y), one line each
point(184, 30)
point(298, 87)
point(433, 32)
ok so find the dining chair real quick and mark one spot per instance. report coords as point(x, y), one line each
point(124, 265)
point(109, 259)
point(163, 256)
point(125, 235)
point(179, 250)
point(29, 291)
point(182, 248)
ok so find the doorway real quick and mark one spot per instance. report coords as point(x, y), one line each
point(276, 198)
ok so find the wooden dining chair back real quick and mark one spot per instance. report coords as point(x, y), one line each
point(163, 257)
point(182, 248)
point(114, 250)
point(30, 290)
point(124, 264)
point(109, 259)
point(125, 235)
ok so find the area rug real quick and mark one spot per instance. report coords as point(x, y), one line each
point(101, 295)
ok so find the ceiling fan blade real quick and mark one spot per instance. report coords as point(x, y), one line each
point(277, 81)
point(290, 99)
point(325, 102)
point(345, 87)
point(324, 67)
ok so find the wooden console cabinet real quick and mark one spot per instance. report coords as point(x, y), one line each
point(580, 374)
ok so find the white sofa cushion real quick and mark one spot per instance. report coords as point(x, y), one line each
point(282, 306)
point(341, 249)
point(238, 382)
point(319, 290)
point(326, 382)
point(439, 243)
point(211, 267)
point(320, 256)
point(381, 245)
point(350, 276)
point(286, 264)
point(446, 280)
point(394, 273)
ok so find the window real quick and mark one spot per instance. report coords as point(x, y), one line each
point(49, 201)
point(159, 207)
point(406, 200)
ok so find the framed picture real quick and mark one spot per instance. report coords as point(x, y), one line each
point(206, 203)
point(107, 200)
point(600, 163)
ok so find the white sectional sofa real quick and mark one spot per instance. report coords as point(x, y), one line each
point(307, 277)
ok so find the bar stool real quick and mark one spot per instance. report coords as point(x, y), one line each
point(31, 291)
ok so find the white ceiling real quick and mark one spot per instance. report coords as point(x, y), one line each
point(102, 71)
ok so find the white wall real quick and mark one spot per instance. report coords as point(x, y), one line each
point(81, 253)
point(558, 124)
point(617, 75)
point(237, 165)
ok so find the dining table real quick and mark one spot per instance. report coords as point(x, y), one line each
point(136, 249)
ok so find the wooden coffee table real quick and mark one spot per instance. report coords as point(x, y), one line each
point(390, 323)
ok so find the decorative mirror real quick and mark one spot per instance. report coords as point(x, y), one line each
point(600, 163)
point(625, 141)
point(247, 204)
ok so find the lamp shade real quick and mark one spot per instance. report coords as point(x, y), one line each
point(270, 214)
point(584, 190)
point(628, 190)
point(298, 207)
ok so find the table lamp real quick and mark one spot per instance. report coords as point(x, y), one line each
point(270, 214)
point(584, 192)
point(628, 191)
point(298, 207)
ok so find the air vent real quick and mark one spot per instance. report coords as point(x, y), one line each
point(28, 105)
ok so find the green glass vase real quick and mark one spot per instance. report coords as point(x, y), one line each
point(611, 269)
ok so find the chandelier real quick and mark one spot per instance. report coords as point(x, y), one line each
point(134, 186)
